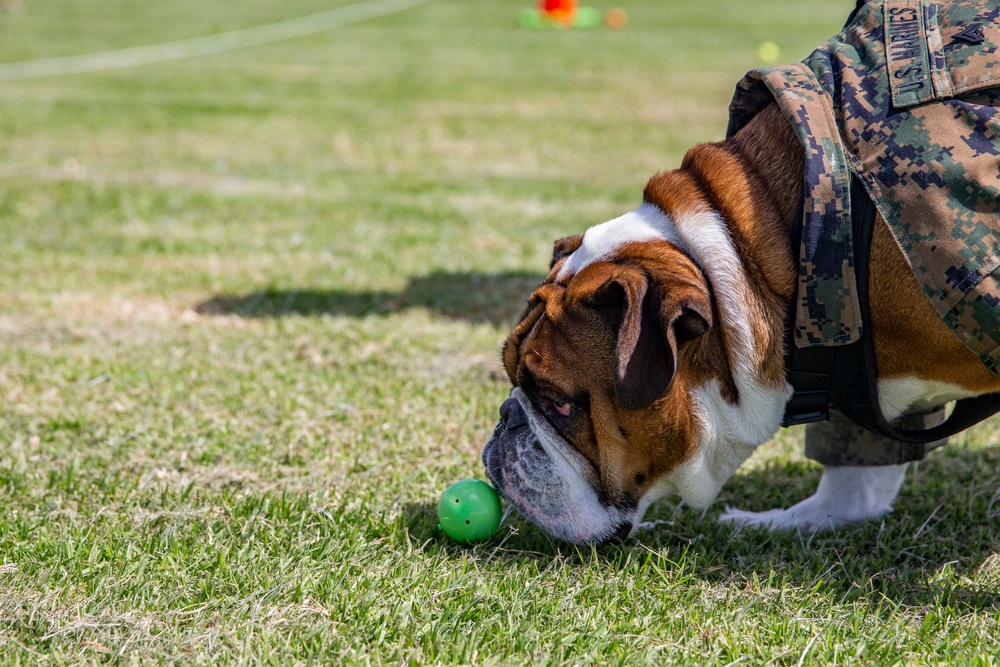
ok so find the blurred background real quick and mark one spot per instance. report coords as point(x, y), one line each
point(370, 195)
point(251, 305)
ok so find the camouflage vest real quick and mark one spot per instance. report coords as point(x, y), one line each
point(906, 99)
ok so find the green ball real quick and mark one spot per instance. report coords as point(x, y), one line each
point(469, 511)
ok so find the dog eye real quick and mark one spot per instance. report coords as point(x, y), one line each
point(562, 407)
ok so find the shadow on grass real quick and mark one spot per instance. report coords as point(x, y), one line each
point(495, 298)
point(946, 528)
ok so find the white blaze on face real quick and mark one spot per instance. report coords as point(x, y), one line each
point(601, 242)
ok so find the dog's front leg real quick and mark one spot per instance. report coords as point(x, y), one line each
point(855, 486)
point(847, 494)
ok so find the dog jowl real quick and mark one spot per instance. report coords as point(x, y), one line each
point(651, 360)
point(596, 427)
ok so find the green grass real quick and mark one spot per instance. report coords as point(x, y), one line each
point(250, 311)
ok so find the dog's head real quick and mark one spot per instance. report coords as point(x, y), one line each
point(601, 421)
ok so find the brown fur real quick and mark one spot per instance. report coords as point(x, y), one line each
point(629, 448)
point(911, 339)
point(569, 348)
point(764, 166)
point(753, 181)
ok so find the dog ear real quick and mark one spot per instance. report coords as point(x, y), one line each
point(651, 329)
point(565, 247)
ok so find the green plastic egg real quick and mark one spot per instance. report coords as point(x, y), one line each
point(469, 511)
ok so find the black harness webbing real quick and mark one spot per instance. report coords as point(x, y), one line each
point(844, 376)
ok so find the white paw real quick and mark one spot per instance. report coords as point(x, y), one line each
point(844, 496)
point(650, 525)
point(802, 519)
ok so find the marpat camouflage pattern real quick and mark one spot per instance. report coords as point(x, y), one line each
point(905, 98)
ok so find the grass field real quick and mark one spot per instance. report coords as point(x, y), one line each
point(250, 311)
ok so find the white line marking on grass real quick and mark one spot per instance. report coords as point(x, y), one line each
point(206, 45)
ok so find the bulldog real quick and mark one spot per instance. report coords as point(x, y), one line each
point(650, 362)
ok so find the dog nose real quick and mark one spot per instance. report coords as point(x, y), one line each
point(621, 534)
point(512, 414)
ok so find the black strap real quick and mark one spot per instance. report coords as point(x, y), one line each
point(845, 376)
point(865, 409)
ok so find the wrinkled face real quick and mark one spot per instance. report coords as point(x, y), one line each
point(602, 365)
